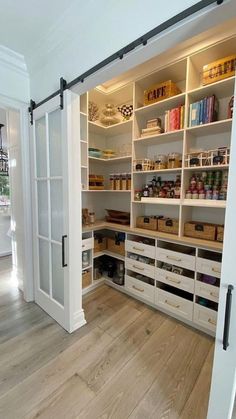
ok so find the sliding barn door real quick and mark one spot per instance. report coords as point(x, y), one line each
point(57, 279)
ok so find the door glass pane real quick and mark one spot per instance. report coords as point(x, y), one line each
point(56, 209)
point(42, 208)
point(41, 147)
point(57, 274)
point(44, 265)
point(55, 146)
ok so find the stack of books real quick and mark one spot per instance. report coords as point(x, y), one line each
point(174, 119)
point(153, 127)
point(204, 111)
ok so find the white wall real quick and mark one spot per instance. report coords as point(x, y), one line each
point(14, 78)
point(92, 30)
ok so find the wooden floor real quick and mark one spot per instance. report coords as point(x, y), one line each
point(129, 361)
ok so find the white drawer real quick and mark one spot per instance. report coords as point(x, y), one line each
point(207, 291)
point(140, 248)
point(139, 288)
point(209, 267)
point(205, 317)
point(141, 268)
point(175, 280)
point(174, 304)
point(87, 244)
point(176, 258)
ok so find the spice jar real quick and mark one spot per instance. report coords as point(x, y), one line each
point(138, 195)
point(202, 194)
point(215, 194)
point(92, 217)
point(124, 182)
point(209, 194)
point(128, 181)
point(117, 182)
point(146, 191)
point(160, 162)
point(173, 160)
point(188, 194)
point(112, 183)
point(195, 194)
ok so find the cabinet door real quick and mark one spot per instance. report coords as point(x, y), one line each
point(56, 155)
point(223, 383)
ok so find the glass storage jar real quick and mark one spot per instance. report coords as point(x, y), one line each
point(174, 160)
point(160, 162)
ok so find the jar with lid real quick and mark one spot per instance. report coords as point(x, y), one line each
point(215, 194)
point(202, 194)
point(138, 195)
point(188, 194)
point(128, 176)
point(112, 182)
point(174, 160)
point(195, 194)
point(92, 217)
point(209, 194)
point(150, 190)
point(193, 182)
point(124, 181)
point(117, 182)
point(160, 162)
point(85, 259)
point(146, 191)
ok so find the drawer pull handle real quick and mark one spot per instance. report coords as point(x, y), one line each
point(211, 321)
point(171, 304)
point(213, 294)
point(173, 258)
point(227, 317)
point(175, 281)
point(216, 270)
point(138, 267)
point(138, 248)
point(137, 289)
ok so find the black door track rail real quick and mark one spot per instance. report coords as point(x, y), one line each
point(123, 51)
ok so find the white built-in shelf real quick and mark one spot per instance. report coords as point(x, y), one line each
point(113, 284)
point(112, 160)
point(106, 190)
point(213, 168)
point(84, 167)
point(146, 172)
point(84, 142)
point(221, 88)
point(108, 253)
point(160, 201)
point(83, 114)
point(162, 106)
point(165, 137)
point(217, 127)
point(95, 284)
point(116, 129)
point(207, 203)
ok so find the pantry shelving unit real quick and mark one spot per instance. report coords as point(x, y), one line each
point(125, 138)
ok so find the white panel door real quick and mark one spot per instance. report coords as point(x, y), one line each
point(55, 282)
point(224, 368)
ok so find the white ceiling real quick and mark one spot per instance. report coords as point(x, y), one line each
point(25, 22)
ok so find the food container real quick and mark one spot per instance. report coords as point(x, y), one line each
point(86, 279)
point(200, 230)
point(100, 242)
point(174, 161)
point(168, 225)
point(220, 233)
point(116, 246)
point(149, 223)
point(160, 91)
point(112, 181)
point(108, 154)
point(128, 181)
point(95, 152)
point(138, 195)
point(117, 181)
point(188, 194)
point(219, 69)
point(124, 182)
point(160, 162)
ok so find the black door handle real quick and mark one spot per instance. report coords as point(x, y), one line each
point(63, 251)
point(227, 317)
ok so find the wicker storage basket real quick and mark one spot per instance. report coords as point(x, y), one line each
point(100, 243)
point(220, 233)
point(86, 279)
point(200, 230)
point(160, 91)
point(168, 225)
point(219, 70)
point(149, 223)
point(116, 246)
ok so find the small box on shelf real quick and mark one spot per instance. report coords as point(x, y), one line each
point(160, 91)
point(219, 69)
point(148, 223)
point(168, 225)
point(200, 230)
point(100, 242)
point(86, 278)
point(116, 246)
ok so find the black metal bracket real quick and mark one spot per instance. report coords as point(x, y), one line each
point(63, 86)
point(31, 109)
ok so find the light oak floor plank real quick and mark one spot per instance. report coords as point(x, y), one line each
point(129, 361)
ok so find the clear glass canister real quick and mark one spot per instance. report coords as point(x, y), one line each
point(160, 162)
point(124, 181)
point(112, 182)
point(117, 182)
point(174, 160)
